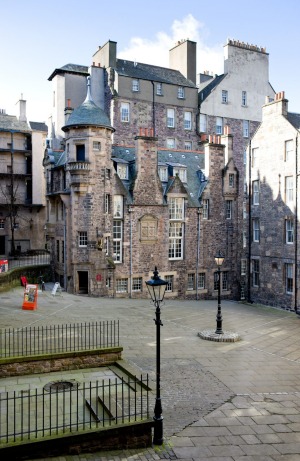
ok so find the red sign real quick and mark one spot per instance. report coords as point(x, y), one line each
point(98, 277)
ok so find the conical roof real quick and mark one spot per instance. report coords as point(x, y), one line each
point(88, 113)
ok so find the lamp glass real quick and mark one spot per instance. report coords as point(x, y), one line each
point(156, 287)
point(219, 259)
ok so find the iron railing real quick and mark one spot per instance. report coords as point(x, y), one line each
point(33, 413)
point(51, 339)
point(29, 260)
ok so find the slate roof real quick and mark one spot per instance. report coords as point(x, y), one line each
point(154, 73)
point(205, 92)
point(38, 126)
point(194, 163)
point(11, 122)
point(294, 119)
point(70, 69)
point(88, 113)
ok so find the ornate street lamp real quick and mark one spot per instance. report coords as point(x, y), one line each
point(219, 259)
point(157, 287)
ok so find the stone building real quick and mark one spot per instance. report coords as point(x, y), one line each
point(22, 197)
point(116, 212)
point(272, 214)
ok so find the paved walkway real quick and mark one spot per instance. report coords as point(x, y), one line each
point(221, 401)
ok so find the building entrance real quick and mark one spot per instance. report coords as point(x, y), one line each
point(83, 282)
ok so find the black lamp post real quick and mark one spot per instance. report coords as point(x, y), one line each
point(157, 287)
point(219, 258)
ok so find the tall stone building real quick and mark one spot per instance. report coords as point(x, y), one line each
point(273, 207)
point(22, 193)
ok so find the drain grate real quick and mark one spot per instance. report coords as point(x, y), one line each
point(60, 386)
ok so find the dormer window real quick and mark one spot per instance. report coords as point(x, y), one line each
point(163, 173)
point(122, 170)
point(135, 85)
point(180, 92)
point(181, 173)
point(97, 145)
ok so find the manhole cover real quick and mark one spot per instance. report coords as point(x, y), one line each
point(60, 386)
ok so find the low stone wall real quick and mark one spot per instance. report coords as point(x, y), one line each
point(46, 363)
point(129, 436)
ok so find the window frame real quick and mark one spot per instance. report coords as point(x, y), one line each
point(82, 239)
point(188, 145)
point(122, 170)
point(289, 278)
point(255, 272)
point(201, 281)
point(180, 92)
point(187, 120)
point(289, 189)
point(137, 284)
point(228, 209)
point(205, 208)
point(125, 112)
point(135, 85)
point(170, 118)
point(289, 231)
point(288, 151)
point(170, 283)
point(224, 97)
point(171, 144)
point(255, 192)
point(244, 98)
point(256, 230)
point(219, 125)
point(159, 89)
point(246, 128)
point(122, 285)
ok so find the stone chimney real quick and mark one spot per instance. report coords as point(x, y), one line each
point(22, 109)
point(183, 58)
point(214, 157)
point(68, 110)
point(147, 187)
point(106, 56)
point(276, 106)
point(227, 140)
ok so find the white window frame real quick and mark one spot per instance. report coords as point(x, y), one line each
point(231, 179)
point(2, 223)
point(170, 118)
point(118, 206)
point(289, 278)
point(170, 143)
point(121, 285)
point(243, 266)
point(117, 240)
point(246, 128)
point(219, 125)
point(180, 92)
point(187, 120)
point(201, 281)
point(159, 91)
point(163, 173)
point(137, 284)
point(82, 239)
point(176, 233)
point(224, 281)
point(288, 150)
point(170, 283)
point(255, 192)
point(224, 97)
point(255, 272)
point(228, 204)
point(124, 109)
point(205, 208)
point(244, 98)
point(289, 189)
point(254, 157)
point(176, 208)
point(122, 170)
point(190, 282)
point(135, 85)
point(256, 230)
point(187, 145)
point(203, 123)
point(107, 203)
point(181, 173)
point(289, 231)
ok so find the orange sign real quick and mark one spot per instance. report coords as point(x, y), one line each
point(30, 297)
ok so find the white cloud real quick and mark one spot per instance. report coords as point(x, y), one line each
point(156, 51)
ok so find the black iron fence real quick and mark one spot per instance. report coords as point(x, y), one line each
point(50, 339)
point(66, 406)
point(29, 258)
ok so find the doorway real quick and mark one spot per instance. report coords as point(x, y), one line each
point(2, 245)
point(83, 282)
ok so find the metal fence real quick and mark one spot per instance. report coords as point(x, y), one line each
point(50, 339)
point(62, 407)
point(28, 260)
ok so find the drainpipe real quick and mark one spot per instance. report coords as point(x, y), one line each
point(296, 231)
point(198, 248)
point(249, 223)
point(153, 108)
point(65, 252)
point(130, 210)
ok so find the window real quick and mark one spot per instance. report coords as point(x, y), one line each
point(170, 118)
point(80, 153)
point(82, 239)
point(62, 251)
point(135, 85)
point(122, 171)
point(117, 240)
point(107, 173)
point(176, 240)
point(148, 229)
point(245, 128)
point(289, 231)
point(163, 173)
point(289, 278)
point(124, 112)
point(203, 123)
point(181, 173)
point(224, 281)
point(118, 206)
point(231, 180)
point(216, 280)
point(255, 192)
point(2, 223)
point(205, 208)
point(245, 157)
point(108, 282)
point(201, 281)
point(256, 232)
point(228, 204)
point(107, 203)
point(289, 196)
point(176, 208)
point(170, 281)
point(243, 266)
point(106, 245)
point(137, 284)
point(187, 120)
point(191, 282)
point(244, 210)
point(170, 143)
point(180, 92)
point(244, 98)
point(219, 125)
point(159, 89)
point(289, 150)
point(187, 145)
point(244, 239)
point(255, 266)
point(224, 96)
point(122, 285)
point(254, 157)
point(96, 145)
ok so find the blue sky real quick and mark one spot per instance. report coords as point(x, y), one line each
point(37, 37)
